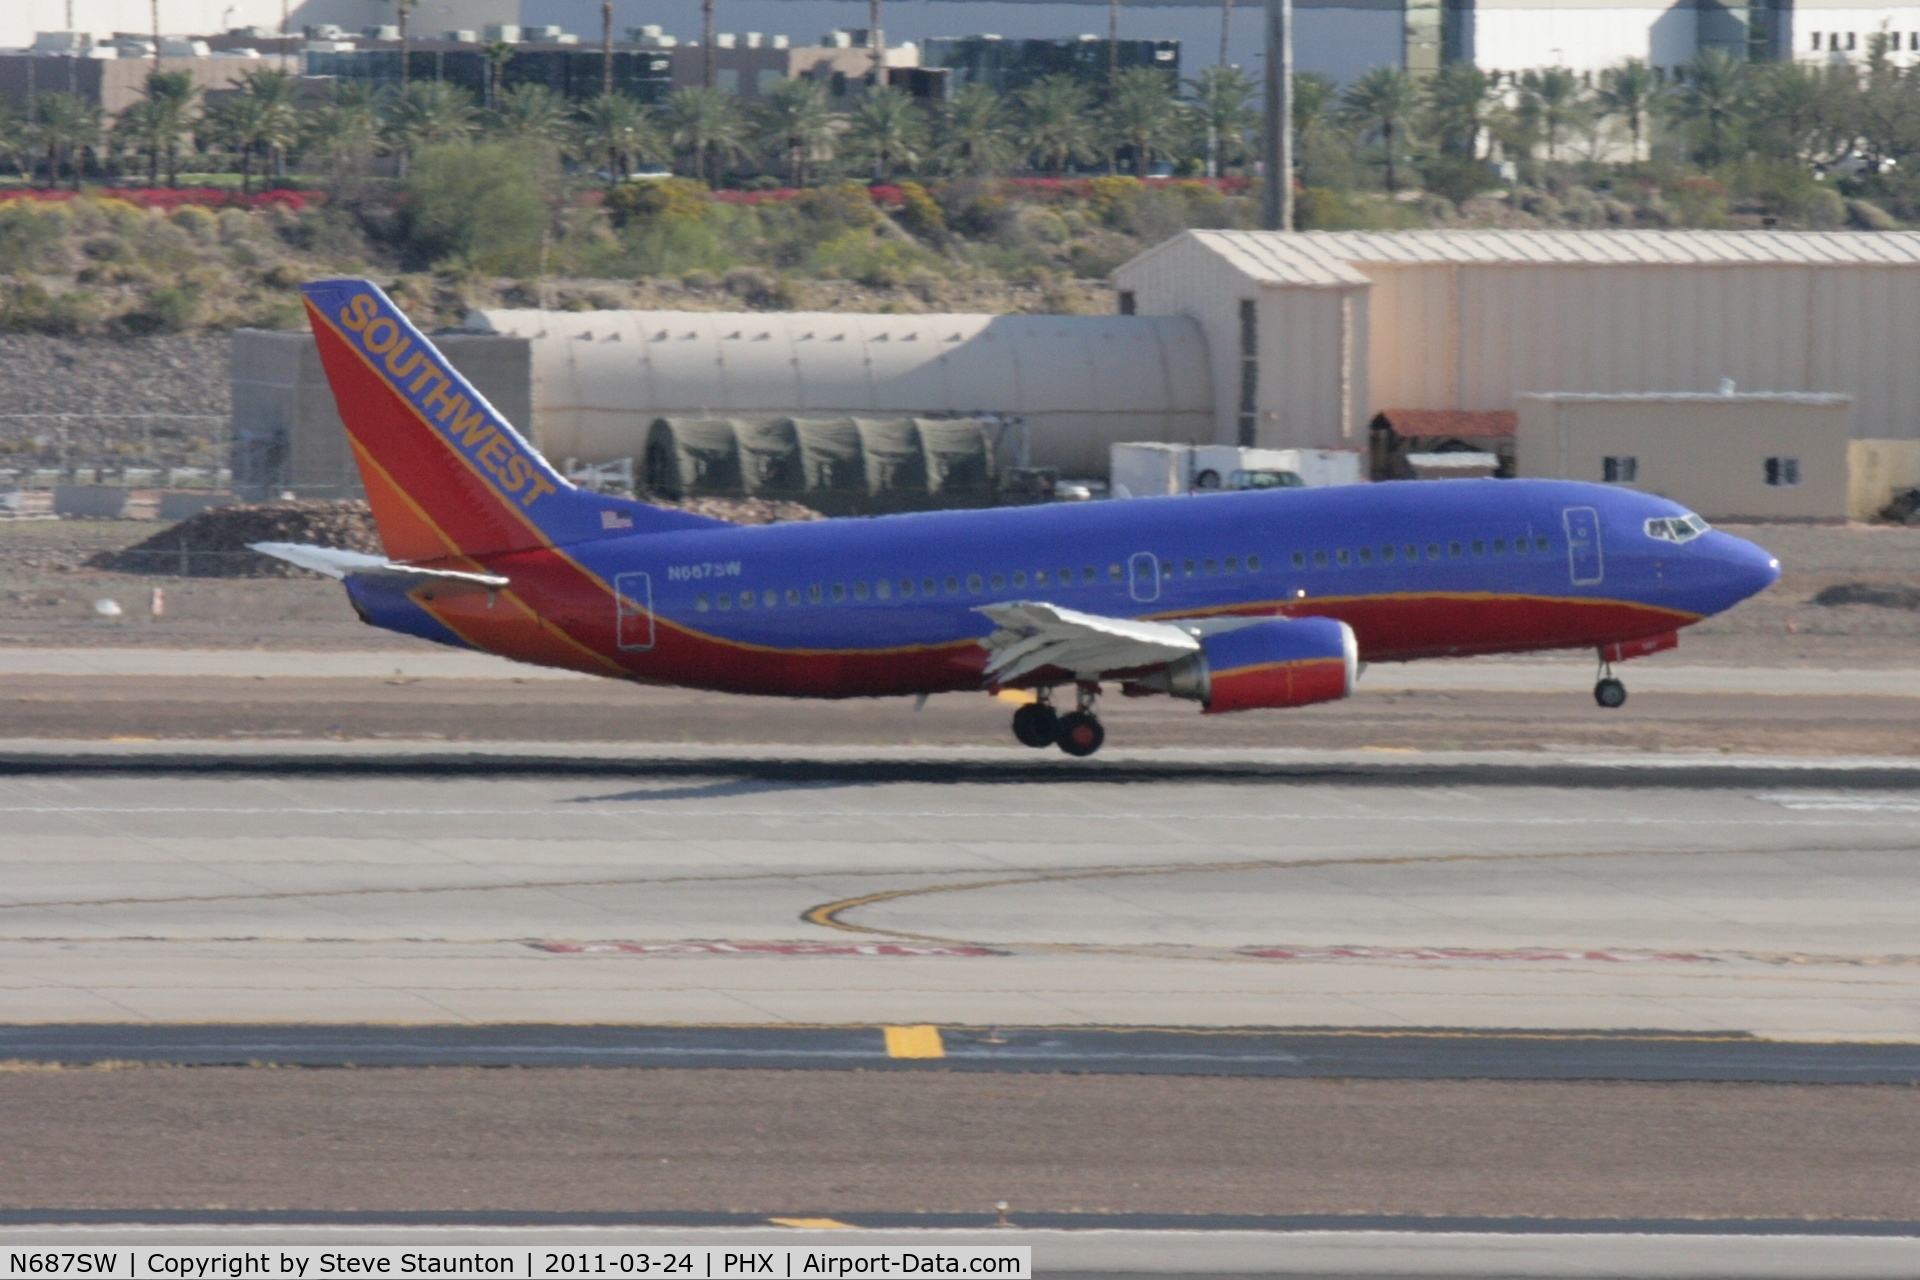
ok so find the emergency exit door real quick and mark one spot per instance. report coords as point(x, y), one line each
point(633, 611)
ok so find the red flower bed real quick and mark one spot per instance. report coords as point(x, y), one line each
point(170, 198)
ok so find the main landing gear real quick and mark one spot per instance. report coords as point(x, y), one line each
point(1608, 691)
point(1078, 732)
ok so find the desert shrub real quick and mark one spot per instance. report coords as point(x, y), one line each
point(196, 222)
point(33, 237)
point(646, 203)
point(28, 307)
point(169, 310)
point(870, 259)
point(920, 213)
point(478, 205)
point(1459, 178)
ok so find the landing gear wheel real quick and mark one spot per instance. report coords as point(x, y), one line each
point(1036, 725)
point(1080, 733)
point(1610, 693)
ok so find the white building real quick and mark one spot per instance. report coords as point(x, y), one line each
point(1310, 334)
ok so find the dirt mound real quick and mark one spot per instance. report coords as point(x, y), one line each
point(1885, 595)
point(742, 510)
point(214, 543)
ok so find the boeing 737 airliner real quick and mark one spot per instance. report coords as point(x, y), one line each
point(1235, 601)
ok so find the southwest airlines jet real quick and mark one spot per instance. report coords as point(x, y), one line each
point(1235, 601)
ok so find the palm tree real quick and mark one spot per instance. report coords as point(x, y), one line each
point(497, 53)
point(15, 147)
point(65, 127)
point(1142, 114)
point(706, 123)
point(1459, 97)
point(973, 130)
point(162, 117)
point(1807, 114)
point(1714, 97)
point(1632, 92)
point(401, 8)
point(616, 126)
point(346, 130)
point(1552, 97)
point(1382, 103)
point(277, 127)
point(1223, 100)
point(793, 117)
point(889, 128)
point(430, 113)
point(1056, 122)
point(530, 113)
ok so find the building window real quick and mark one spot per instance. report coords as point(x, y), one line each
point(1852, 37)
point(1816, 42)
point(1249, 369)
point(1621, 470)
point(1126, 302)
point(1783, 473)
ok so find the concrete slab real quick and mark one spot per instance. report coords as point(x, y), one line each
point(1749, 901)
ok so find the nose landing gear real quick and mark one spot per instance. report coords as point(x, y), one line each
point(1608, 691)
point(1078, 732)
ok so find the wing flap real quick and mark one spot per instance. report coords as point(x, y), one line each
point(1035, 634)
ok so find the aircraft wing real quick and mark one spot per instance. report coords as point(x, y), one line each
point(338, 564)
point(1034, 635)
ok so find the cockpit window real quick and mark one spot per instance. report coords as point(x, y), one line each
point(1677, 528)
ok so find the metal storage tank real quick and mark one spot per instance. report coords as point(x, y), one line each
point(1078, 384)
point(1351, 324)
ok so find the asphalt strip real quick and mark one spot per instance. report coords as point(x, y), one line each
point(993, 765)
point(1386, 1054)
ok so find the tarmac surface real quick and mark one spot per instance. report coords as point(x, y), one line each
point(967, 889)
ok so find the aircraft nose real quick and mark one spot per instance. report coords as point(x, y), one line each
point(1750, 569)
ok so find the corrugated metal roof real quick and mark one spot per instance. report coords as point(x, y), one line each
point(1327, 259)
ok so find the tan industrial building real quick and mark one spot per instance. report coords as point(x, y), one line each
point(1731, 456)
point(1311, 335)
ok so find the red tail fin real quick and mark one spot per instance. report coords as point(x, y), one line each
point(446, 475)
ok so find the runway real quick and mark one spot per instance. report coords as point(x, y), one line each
point(817, 888)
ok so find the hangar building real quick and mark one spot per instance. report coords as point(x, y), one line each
point(1311, 335)
point(590, 385)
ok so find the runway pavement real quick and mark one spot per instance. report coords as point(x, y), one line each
point(1551, 674)
point(848, 889)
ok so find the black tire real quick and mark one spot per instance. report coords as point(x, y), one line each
point(1610, 693)
point(1080, 733)
point(1036, 725)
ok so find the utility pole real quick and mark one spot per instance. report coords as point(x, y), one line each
point(156, 35)
point(1226, 28)
point(285, 19)
point(1113, 38)
point(1277, 157)
point(877, 41)
point(606, 48)
point(706, 39)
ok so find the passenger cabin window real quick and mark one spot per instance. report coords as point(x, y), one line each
point(953, 586)
point(1232, 564)
point(813, 594)
point(1539, 544)
point(1433, 551)
point(974, 583)
point(1366, 555)
point(793, 595)
point(1299, 559)
point(1343, 557)
point(1386, 554)
point(1783, 473)
point(859, 591)
point(839, 592)
point(999, 582)
point(1253, 564)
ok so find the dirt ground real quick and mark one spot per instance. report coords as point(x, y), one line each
point(825, 1141)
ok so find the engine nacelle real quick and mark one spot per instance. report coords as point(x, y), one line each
point(1284, 662)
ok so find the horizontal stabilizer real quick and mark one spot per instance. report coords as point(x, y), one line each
point(336, 563)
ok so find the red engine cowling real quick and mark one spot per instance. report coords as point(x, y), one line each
point(1283, 662)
